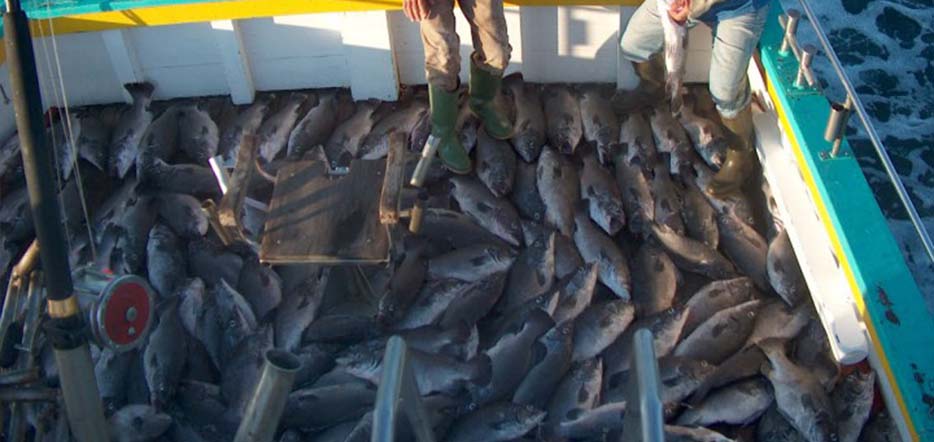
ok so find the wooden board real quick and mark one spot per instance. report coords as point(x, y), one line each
point(316, 218)
point(392, 181)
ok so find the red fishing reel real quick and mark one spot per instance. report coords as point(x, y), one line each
point(120, 309)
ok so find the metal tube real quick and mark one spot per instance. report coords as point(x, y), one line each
point(417, 214)
point(28, 394)
point(644, 422)
point(804, 66)
point(79, 388)
point(424, 163)
point(873, 135)
point(398, 388)
point(791, 29)
point(265, 409)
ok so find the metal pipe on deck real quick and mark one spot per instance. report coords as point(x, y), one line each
point(65, 329)
point(264, 411)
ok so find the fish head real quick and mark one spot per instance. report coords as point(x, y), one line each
point(527, 415)
point(360, 361)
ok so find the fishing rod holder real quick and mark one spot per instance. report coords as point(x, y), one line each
point(836, 124)
point(644, 422)
point(398, 389)
point(424, 163)
point(119, 309)
point(789, 22)
point(265, 408)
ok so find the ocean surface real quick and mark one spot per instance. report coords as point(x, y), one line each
point(886, 48)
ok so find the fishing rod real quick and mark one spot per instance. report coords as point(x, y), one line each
point(66, 330)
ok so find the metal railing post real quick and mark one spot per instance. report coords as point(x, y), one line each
point(398, 388)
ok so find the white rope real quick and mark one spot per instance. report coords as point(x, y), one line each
point(70, 134)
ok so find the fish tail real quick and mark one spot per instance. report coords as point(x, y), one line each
point(140, 90)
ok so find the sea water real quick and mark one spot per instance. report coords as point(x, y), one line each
point(886, 48)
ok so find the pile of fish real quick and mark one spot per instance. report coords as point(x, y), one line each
point(519, 297)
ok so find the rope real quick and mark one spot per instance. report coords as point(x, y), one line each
point(71, 136)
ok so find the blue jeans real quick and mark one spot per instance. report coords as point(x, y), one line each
point(734, 40)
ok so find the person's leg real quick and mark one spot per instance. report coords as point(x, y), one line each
point(489, 59)
point(442, 67)
point(735, 39)
point(641, 44)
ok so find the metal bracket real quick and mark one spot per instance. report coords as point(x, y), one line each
point(789, 23)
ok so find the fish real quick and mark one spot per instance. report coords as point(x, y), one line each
point(881, 428)
point(111, 370)
point(655, 280)
point(692, 255)
point(744, 245)
point(744, 364)
point(600, 125)
point(128, 133)
point(406, 280)
point(11, 160)
point(700, 220)
point(418, 136)
point(137, 423)
point(315, 127)
point(531, 275)
point(511, 358)
point(852, 400)
point(579, 390)
point(494, 214)
point(773, 426)
point(599, 325)
point(164, 260)
point(575, 292)
point(196, 311)
point(164, 357)
point(603, 196)
point(160, 140)
point(234, 316)
point(674, 433)
point(559, 187)
point(783, 271)
point(707, 137)
point(376, 143)
point(496, 164)
point(192, 179)
point(777, 320)
point(341, 329)
point(716, 296)
point(737, 204)
point(502, 421)
point(667, 328)
point(432, 302)
point(596, 247)
point(812, 349)
point(467, 128)
point(433, 373)
point(316, 360)
point(317, 408)
point(636, 139)
point(563, 118)
point(261, 286)
point(92, 138)
point(299, 308)
point(242, 370)
point(668, 205)
point(737, 404)
point(455, 230)
point(551, 359)
point(676, 46)
point(476, 302)
point(567, 258)
point(213, 263)
point(183, 214)
point(471, 263)
point(636, 188)
point(247, 122)
point(134, 229)
point(198, 135)
point(273, 134)
point(671, 139)
point(800, 397)
point(722, 335)
point(349, 135)
point(596, 423)
point(525, 195)
point(529, 135)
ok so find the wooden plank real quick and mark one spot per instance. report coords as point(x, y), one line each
point(236, 63)
point(317, 218)
point(232, 202)
point(392, 182)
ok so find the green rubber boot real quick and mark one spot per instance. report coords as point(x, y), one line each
point(484, 86)
point(443, 118)
point(651, 89)
point(740, 158)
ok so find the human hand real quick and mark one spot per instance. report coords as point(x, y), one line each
point(416, 10)
point(679, 10)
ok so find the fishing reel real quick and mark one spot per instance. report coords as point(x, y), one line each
point(119, 309)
